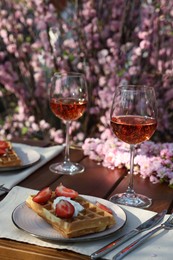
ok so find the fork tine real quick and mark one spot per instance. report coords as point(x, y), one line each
point(170, 217)
point(169, 221)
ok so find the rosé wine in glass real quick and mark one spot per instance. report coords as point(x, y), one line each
point(133, 129)
point(68, 101)
point(133, 120)
point(68, 108)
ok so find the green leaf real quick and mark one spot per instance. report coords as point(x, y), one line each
point(24, 130)
point(170, 186)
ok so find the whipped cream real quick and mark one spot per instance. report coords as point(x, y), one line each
point(76, 205)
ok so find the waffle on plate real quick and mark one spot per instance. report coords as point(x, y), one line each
point(90, 219)
point(8, 156)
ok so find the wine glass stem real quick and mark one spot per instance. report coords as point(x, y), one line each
point(67, 158)
point(130, 189)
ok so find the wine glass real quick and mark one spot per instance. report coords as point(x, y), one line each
point(133, 121)
point(68, 101)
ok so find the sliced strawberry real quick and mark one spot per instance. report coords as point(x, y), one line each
point(3, 144)
point(2, 151)
point(66, 192)
point(103, 207)
point(64, 209)
point(43, 196)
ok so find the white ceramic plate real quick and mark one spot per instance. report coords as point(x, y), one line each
point(26, 219)
point(27, 156)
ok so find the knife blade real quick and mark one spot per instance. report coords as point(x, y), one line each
point(144, 226)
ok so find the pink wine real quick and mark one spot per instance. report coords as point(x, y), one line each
point(67, 108)
point(133, 129)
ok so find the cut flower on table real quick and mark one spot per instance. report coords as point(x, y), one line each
point(153, 160)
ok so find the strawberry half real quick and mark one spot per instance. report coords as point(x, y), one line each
point(66, 192)
point(103, 207)
point(64, 209)
point(2, 151)
point(3, 145)
point(43, 196)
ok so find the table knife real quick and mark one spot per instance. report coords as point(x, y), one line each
point(144, 226)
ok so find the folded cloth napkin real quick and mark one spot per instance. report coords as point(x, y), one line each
point(11, 178)
point(157, 247)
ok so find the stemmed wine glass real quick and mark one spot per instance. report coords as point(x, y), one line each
point(68, 101)
point(133, 121)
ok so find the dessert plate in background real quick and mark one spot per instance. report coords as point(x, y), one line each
point(27, 155)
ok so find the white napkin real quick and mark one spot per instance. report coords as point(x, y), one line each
point(11, 178)
point(157, 247)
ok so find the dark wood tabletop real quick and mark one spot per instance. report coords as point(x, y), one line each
point(96, 181)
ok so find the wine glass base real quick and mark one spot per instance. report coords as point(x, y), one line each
point(67, 168)
point(134, 200)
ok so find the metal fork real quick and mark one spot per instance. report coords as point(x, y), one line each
point(168, 224)
point(2, 188)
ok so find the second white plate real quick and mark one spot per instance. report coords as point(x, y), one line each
point(26, 219)
point(27, 155)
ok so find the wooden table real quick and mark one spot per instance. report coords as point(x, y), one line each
point(96, 181)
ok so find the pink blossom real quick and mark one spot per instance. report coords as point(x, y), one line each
point(144, 44)
point(143, 35)
point(11, 48)
point(138, 51)
point(3, 33)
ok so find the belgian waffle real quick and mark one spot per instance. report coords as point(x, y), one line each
point(10, 157)
point(91, 219)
